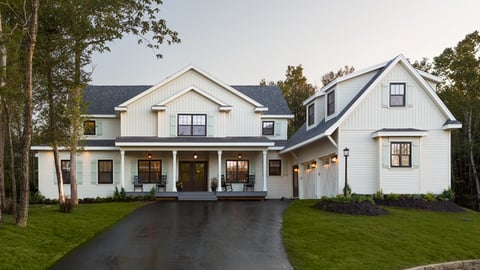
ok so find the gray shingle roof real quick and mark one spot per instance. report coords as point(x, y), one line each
point(269, 96)
point(103, 99)
point(302, 135)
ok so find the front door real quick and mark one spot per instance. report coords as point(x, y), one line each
point(193, 175)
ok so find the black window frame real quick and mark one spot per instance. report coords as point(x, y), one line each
point(236, 176)
point(88, 129)
point(273, 169)
point(394, 95)
point(268, 130)
point(150, 175)
point(191, 126)
point(403, 152)
point(101, 174)
point(66, 169)
point(311, 114)
point(330, 103)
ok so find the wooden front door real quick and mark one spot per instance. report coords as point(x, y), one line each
point(193, 174)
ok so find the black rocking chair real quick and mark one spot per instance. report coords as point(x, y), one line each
point(162, 184)
point(137, 183)
point(226, 186)
point(250, 185)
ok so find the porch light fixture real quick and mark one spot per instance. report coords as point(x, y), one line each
point(195, 156)
point(149, 155)
point(334, 159)
point(295, 169)
point(239, 156)
point(346, 153)
point(314, 164)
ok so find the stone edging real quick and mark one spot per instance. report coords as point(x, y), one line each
point(458, 265)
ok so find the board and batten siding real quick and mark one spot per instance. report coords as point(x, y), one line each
point(347, 90)
point(140, 120)
point(105, 128)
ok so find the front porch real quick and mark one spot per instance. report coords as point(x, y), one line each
point(205, 196)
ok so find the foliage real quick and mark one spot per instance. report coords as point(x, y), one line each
point(296, 89)
point(214, 184)
point(459, 67)
point(349, 190)
point(330, 76)
point(430, 197)
point(379, 195)
point(49, 236)
point(352, 198)
point(424, 65)
point(179, 185)
point(36, 197)
point(393, 197)
point(404, 238)
point(447, 194)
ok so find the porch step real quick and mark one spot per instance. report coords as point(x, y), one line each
point(197, 196)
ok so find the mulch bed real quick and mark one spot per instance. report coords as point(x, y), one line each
point(422, 204)
point(366, 208)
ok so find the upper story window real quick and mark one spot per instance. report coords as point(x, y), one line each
point(397, 94)
point(331, 103)
point(192, 125)
point(401, 154)
point(89, 127)
point(268, 127)
point(311, 114)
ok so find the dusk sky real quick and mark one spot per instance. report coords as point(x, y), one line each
point(242, 42)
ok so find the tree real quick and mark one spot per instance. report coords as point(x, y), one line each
point(424, 65)
point(460, 69)
point(295, 89)
point(3, 67)
point(330, 76)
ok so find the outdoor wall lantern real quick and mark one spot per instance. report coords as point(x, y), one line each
point(334, 159)
point(314, 164)
point(195, 156)
point(346, 153)
point(149, 155)
point(240, 156)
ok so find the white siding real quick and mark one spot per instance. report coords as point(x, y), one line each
point(282, 185)
point(106, 128)
point(435, 172)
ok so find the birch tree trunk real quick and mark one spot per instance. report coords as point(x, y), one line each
point(471, 154)
point(3, 67)
point(31, 33)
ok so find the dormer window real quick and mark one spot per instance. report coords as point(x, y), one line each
point(192, 125)
point(397, 94)
point(311, 114)
point(89, 127)
point(268, 127)
point(331, 103)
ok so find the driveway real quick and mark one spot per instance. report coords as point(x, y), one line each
point(189, 235)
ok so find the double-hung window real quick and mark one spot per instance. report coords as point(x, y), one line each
point(331, 103)
point(150, 171)
point(274, 167)
point(65, 166)
point(311, 114)
point(105, 172)
point(192, 125)
point(401, 154)
point(268, 127)
point(397, 94)
point(89, 127)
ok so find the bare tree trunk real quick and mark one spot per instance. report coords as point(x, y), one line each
point(12, 158)
point(468, 118)
point(26, 139)
point(3, 67)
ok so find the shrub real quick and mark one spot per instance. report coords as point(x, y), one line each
point(116, 194)
point(36, 198)
point(379, 195)
point(393, 197)
point(430, 197)
point(349, 190)
point(123, 194)
point(447, 195)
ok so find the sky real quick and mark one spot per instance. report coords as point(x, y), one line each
point(242, 42)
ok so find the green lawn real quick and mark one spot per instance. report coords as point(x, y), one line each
point(51, 234)
point(404, 238)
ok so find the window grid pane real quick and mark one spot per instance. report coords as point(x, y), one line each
point(192, 125)
point(274, 167)
point(331, 103)
point(401, 154)
point(237, 171)
point(105, 172)
point(267, 128)
point(397, 94)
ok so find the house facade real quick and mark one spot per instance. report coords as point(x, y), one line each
point(195, 129)
point(190, 128)
point(393, 123)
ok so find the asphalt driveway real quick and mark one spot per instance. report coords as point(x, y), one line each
point(189, 235)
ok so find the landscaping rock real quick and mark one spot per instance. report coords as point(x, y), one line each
point(437, 206)
point(364, 208)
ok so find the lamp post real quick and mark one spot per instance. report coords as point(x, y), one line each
point(346, 153)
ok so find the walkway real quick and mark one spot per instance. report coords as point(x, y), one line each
point(189, 235)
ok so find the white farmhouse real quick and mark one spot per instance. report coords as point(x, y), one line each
point(193, 128)
point(395, 126)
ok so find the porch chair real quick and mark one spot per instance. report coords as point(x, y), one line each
point(226, 186)
point(162, 184)
point(250, 185)
point(137, 183)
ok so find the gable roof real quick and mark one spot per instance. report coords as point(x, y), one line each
point(270, 96)
point(326, 128)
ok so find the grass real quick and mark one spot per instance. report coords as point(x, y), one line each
point(51, 234)
point(404, 238)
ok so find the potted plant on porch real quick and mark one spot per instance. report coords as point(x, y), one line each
point(214, 184)
point(179, 185)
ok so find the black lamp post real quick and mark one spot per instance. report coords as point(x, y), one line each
point(346, 153)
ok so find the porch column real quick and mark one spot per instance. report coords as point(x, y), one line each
point(264, 170)
point(122, 168)
point(219, 153)
point(174, 170)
